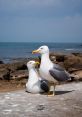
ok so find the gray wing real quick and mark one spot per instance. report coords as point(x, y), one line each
point(44, 85)
point(55, 66)
point(59, 73)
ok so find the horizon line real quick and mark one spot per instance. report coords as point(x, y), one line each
point(35, 42)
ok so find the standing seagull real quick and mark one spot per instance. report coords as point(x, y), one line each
point(35, 84)
point(48, 70)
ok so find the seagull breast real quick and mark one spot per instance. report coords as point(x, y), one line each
point(44, 70)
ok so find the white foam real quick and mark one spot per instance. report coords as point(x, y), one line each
point(69, 49)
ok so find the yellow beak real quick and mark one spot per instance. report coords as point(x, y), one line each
point(35, 51)
point(37, 63)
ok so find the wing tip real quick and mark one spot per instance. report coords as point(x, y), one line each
point(44, 86)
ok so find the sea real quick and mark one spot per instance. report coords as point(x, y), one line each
point(14, 50)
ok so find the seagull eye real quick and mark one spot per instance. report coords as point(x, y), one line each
point(41, 48)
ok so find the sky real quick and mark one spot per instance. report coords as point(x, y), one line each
point(40, 20)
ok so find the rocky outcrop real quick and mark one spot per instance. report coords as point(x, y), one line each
point(19, 75)
point(71, 62)
point(15, 70)
point(18, 72)
point(77, 54)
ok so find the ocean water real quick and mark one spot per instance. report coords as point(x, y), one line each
point(10, 50)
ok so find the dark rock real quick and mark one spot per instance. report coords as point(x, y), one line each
point(72, 61)
point(18, 70)
point(19, 74)
point(19, 67)
point(77, 75)
point(22, 67)
point(77, 54)
point(60, 58)
point(7, 75)
point(1, 62)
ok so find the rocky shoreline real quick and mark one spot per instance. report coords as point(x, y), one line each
point(14, 75)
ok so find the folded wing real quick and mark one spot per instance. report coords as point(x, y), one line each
point(59, 73)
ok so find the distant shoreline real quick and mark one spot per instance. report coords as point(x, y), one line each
point(21, 50)
point(16, 59)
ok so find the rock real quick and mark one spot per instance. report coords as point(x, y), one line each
point(6, 70)
point(60, 58)
point(22, 67)
point(17, 71)
point(19, 75)
point(53, 57)
point(77, 54)
point(7, 75)
point(1, 62)
point(18, 66)
point(77, 75)
point(74, 77)
point(71, 61)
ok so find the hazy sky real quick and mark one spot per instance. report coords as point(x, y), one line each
point(41, 20)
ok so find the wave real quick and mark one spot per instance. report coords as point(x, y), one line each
point(69, 49)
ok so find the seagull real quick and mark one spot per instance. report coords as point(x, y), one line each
point(35, 83)
point(50, 71)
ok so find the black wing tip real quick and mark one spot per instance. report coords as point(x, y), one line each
point(44, 86)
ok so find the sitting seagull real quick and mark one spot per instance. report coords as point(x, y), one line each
point(35, 84)
point(50, 71)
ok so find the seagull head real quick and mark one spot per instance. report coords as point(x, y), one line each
point(32, 64)
point(42, 50)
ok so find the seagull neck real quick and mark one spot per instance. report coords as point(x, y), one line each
point(45, 58)
point(33, 74)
